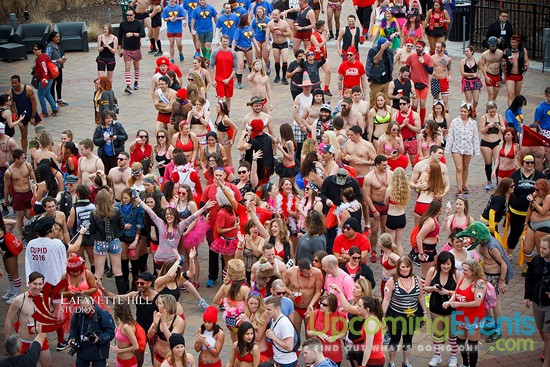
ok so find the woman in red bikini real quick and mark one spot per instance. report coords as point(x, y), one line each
point(389, 258)
point(433, 178)
point(178, 355)
point(428, 236)
point(507, 161)
point(186, 141)
point(245, 351)
point(209, 339)
point(125, 336)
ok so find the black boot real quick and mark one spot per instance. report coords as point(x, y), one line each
point(143, 263)
point(135, 273)
point(121, 285)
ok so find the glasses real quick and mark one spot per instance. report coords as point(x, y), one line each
point(121, 158)
point(190, 79)
point(182, 192)
point(347, 228)
point(280, 293)
point(35, 49)
point(140, 284)
point(130, 15)
point(307, 189)
point(356, 257)
point(315, 260)
point(402, 103)
point(143, 136)
point(310, 54)
point(341, 176)
point(529, 162)
point(161, 136)
point(350, 55)
point(242, 172)
point(323, 304)
point(344, 106)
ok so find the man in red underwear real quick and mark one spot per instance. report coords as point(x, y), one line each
point(490, 65)
point(421, 66)
point(516, 62)
point(303, 25)
point(18, 179)
point(223, 65)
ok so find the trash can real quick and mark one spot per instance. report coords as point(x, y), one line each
point(124, 5)
point(461, 10)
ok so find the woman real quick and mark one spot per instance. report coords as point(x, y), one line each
point(249, 248)
point(187, 141)
point(356, 268)
point(65, 137)
point(163, 151)
point(105, 227)
point(361, 289)
point(178, 355)
point(242, 46)
point(514, 113)
point(104, 98)
point(287, 168)
point(389, 29)
point(537, 220)
point(390, 256)
point(370, 310)
point(155, 15)
point(200, 68)
point(471, 83)
point(497, 206)
point(226, 128)
point(310, 202)
point(132, 219)
point(428, 137)
point(195, 79)
point(440, 283)
point(277, 233)
point(149, 227)
point(70, 158)
point(212, 146)
point(507, 160)
point(136, 181)
point(174, 81)
point(463, 143)
point(428, 236)
point(458, 249)
point(398, 195)
point(311, 168)
point(379, 116)
point(44, 151)
point(10, 261)
point(287, 201)
point(55, 51)
point(491, 126)
point(259, 25)
point(391, 145)
point(403, 299)
point(245, 352)
point(329, 137)
point(349, 208)
point(376, 16)
point(163, 99)
point(50, 184)
point(433, 178)
point(141, 149)
point(461, 218)
point(198, 119)
point(329, 325)
point(45, 80)
point(313, 239)
point(227, 228)
point(209, 338)
point(109, 137)
point(412, 29)
point(165, 323)
point(436, 24)
point(467, 300)
point(247, 176)
point(440, 115)
point(107, 45)
point(254, 313)
point(79, 216)
point(125, 336)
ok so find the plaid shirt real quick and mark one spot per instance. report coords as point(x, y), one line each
point(299, 135)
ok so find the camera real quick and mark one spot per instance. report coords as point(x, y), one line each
point(92, 338)
point(75, 346)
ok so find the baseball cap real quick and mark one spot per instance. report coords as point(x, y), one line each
point(71, 179)
point(329, 149)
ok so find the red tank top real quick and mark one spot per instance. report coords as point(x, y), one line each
point(185, 147)
point(319, 39)
point(377, 353)
point(406, 133)
point(468, 314)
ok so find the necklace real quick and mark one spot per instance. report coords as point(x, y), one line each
point(385, 183)
point(298, 281)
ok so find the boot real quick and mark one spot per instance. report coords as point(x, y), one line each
point(120, 284)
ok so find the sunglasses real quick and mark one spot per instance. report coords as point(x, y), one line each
point(129, 15)
point(356, 257)
point(347, 228)
point(529, 162)
point(341, 176)
point(190, 79)
point(403, 103)
point(120, 159)
point(161, 136)
point(143, 136)
point(323, 304)
point(315, 260)
point(140, 284)
point(280, 293)
point(344, 106)
point(182, 192)
point(35, 49)
point(350, 55)
point(307, 189)
point(242, 172)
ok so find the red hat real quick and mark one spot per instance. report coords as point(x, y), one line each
point(182, 93)
point(352, 50)
point(311, 48)
point(257, 126)
point(421, 43)
point(75, 263)
point(163, 61)
point(210, 315)
point(409, 40)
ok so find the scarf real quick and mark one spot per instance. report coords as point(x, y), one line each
point(286, 204)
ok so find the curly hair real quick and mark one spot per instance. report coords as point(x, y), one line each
point(308, 163)
point(309, 145)
point(197, 80)
point(123, 313)
point(400, 189)
point(315, 223)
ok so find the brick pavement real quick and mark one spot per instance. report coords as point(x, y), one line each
point(137, 111)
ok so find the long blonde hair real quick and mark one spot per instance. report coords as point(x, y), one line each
point(386, 241)
point(136, 166)
point(104, 207)
point(365, 285)
point(283, 229)
point(258, 318)
point(400, 190)
point(197, 79)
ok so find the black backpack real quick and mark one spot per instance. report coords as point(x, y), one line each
point(28, 229)
point(297, 340)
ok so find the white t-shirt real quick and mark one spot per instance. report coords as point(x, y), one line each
point(48, 257)
point(283, 329)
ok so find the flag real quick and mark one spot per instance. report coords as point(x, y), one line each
point(531, 138)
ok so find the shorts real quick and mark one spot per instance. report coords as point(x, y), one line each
point(25, 346)
point(514, 77)
point(542, 317)
point(541, 226)
point(142, 16)
point(154, 246)
point(439, 86)
point(495, 80)
point(430, 251)
point(205, 37)
point(87, 241)
point(303, 35)
point(174, 35)
point(494, 279)
point(225, 90)
point(436, 32)
point(7, 252)
point(279, 46)
point(316, 6)
point(242, 49)
point(334, 6)
point(486, 144)
point(421, 93)
point(132, 362)
point(471, 84)
point(132, 55)
point(420, 208)
point(164, 117)
point(505, 173)
point(411, 146)
point(21, 200)
point(105, 63)
point(395, 222)
point(113, 247)
point(156, 21)
point(380, 207)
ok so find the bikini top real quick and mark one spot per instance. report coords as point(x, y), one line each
point(511, 154)
point(247, 358)
point(170, 328)
point(468, 69)
point(492, 130)
point(221, 127)
point(121, 337)
point(386, 264)
point(187, 147)
point(378, 120)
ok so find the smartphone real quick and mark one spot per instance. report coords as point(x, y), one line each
point(438, 286)
point(395, 152)
point(24, 114)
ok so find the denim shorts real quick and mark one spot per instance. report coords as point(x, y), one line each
point(113, 247)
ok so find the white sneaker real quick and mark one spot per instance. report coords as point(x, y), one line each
point(7, 296)
point(435, 361)
point(453, 361)
point(9, 301)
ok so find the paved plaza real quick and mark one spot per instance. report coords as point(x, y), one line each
point(137, 111)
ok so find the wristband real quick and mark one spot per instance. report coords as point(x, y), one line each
point(501, 280)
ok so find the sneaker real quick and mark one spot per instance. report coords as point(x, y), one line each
point(391, 364)
point(493, 337)
point(197, 285)
point(136, 85)
point(239, 86)
point(7, 296)
point(197, 55)
point(453, 361)
point(489, 186)
point(10, 300)
point(54, 113)
point(406, 364)
point(327, 93)
point(284, 81)
point(44, 115)
point(435, 361)
point(151, 52)
point(277, 79)
point(210, 283)
point(171, 61)
point(61, 102)
point(373, 257)
point(61, 346)
point(158, 54)
point(331, 36)
point(203, 303)
point(128, 90)
point(465, 189)
point(181, 57)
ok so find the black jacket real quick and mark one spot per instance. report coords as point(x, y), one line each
point(494, 31)
point(118, 144)
point(97, 227)
point(102, 325)
point(537, 281)
point(331, 190)
point(365, 272)
point(380, 73)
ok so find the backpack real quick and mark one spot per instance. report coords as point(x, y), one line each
point(28, 232)
point(53, 70)
point(141, 337)
point(490, 300)
point(66, 203)
point(412, 238)
point(297, 340)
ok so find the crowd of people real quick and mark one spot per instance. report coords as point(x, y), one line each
point(295, 220)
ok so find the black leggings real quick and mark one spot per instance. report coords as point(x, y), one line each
point(516, 229)
point(363, 15)
point(56, 86)
point(395, 338)
point(469, 353)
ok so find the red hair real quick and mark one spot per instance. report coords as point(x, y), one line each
point(514, 133)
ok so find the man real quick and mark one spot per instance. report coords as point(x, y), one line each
point(92, 329)
point(295, 73)
point(130, 33)
point(16, 357)
point(189, 6)
point(537, 291)
point(278, 290)
point(436, 153)
point(19, 175)
point(142, 15)
point(376, 183)
point(350, 116)
point(409, 124)
point(120, 174)
point(496, 265)
point(305, 297)
point(50, 204)
point(402, 54)
point(163, 99)
point(379, 68)
point(441, 76)
point(21, 312)
point(312, 348)
point(402, 86)
point(88, 163)
point(502, 29)
point(323, 123)
point(256, 103)
point(203, 19)
point(6, 155)
point(421, 67)
point(226, 24)
point(279, 31)
point(24, 99)
point(516, 62)
point(223, 66)
point(268, 251)
point(281, 333)
point(351, 236)
point(312, 112)
point(238, 8)
point(319, 39)
point(68, 197)
point(351, 73)
point(335, 275)
point(175, 17)
point(254, 141)
point(328, 159)
point(301, 101)
point(259, 86)
point(350, 36)
point(303, 25)
point(542, 114)
point(360, 105)
point(490, 66)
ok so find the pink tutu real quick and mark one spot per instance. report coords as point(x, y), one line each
point(197, 235)
point(225, 246)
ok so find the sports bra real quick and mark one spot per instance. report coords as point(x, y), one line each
point(454, 224)
point(185, 213)
point(176, 292)
point(379, 120)
point(196, 121)
point(119, 336)
point(468, 69)
point(435, 232)
point(187, 147)
point(160, 334)
point(386, 264)
point(209, 337)
point(492, 130)
point(247, 358)
point(442, 124)
point(221, 127)
point(510, 154)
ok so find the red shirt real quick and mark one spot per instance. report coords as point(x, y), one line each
point(319, 39)
point(226, 220)
point(418, 73)
point(352, 73)
point(41, 67)
point(224, 64)
point(363, 3)
point(342, 244)
point(209, 193)
point(138, 155)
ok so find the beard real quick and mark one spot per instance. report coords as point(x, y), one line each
point(493, 51)
point(345, 112)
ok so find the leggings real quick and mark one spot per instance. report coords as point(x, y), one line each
point(56, 86)
point(516, 229)
point(395, 338)
point(468, 352)
point(363, 15)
